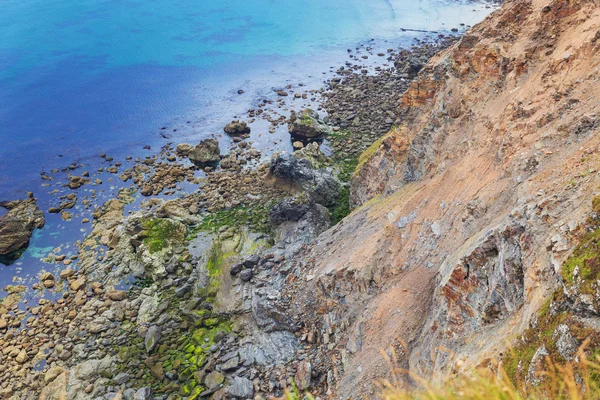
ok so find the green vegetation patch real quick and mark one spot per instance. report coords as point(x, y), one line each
point(585, 258)
point(256, 218)
point(160, 233)
point(194, 353)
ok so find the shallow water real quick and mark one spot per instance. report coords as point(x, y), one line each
point(80, 78)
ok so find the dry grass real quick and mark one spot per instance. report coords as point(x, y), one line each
point(574, 381)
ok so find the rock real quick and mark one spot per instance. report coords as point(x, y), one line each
point(298, 145)
point(129, 394)
point(237, 128)
point(22, 357)
point(307, 125)
point(246, 275)
point(231, 364)
point(117, 295)
point(66, 273)
point(152, 338)
point(303, 375)
point(47, 276)
point(3, 323)
point(241, 388)
point(78, 284)
point(213, 380)
point(184, 149)
point(48, 284)
point(76, 182)
point(536, 366)
point(18, 224)
point(321, 184)
point(93, 368)
point(297, 208)
point(121, 378)
point(251, 261)
point(566, 344)
point(207, 152)
point(144, 393)
point(236, 269)
point(52, 373)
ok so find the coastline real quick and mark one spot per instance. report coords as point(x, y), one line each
point(207, 236)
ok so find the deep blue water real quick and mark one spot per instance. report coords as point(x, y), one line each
point(83, 77)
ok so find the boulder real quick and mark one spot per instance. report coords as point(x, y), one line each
point(307, 125)
point(322, 184)
point(237, 128)
point(18, 224)
point(207, 152)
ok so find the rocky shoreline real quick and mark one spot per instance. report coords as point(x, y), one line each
point(207, 309)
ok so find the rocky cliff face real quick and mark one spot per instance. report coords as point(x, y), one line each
point(464, 213)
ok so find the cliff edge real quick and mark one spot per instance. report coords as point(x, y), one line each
point(463, 214)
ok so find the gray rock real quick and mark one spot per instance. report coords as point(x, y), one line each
point(566, 344)
point(236, 269)
point(121, 378)
point(152, 338)
point(535, 367)
point(241, 388)
point(246, 275)
point(231, 364)
point(251, 261)
point(205, 153)
point(129, 394)
point(322, 184)
point(144, 393)
point(183, 290)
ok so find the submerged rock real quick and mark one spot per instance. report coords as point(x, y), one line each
point(205, 153)
point(307, 125)
point(18, 224)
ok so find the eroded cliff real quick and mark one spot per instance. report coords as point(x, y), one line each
point(464, 213)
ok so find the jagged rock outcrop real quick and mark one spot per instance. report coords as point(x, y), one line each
point(321, 184)
point(18, 224)
point(465, 212)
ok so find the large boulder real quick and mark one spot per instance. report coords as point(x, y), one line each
point(18, 224)
point(322, 184)
point(237, 128)
point(307, 125)
point(205, 153)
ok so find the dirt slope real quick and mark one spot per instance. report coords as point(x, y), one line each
point(465, 212)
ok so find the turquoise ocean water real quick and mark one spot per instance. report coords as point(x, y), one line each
point(83, 77)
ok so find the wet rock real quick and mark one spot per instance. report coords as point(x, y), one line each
point(237, 128)
point(18, 224)
point(307, 125)
point(207, 152)
point(184, 149)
